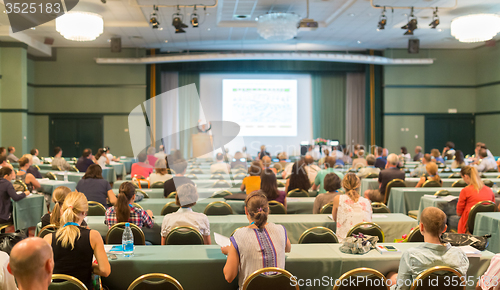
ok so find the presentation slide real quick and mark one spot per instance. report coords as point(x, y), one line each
point(261, 107)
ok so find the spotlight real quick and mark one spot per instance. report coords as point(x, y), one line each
point(194, 18)
point(382, 20)
point(153, 19)
point(435, 19)
point(411, 25)
point(177, 22)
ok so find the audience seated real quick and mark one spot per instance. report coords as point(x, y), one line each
point(7, 192)
point(329, 168)
point(161, 172)
point(350, 209)
point(346, 158)
point(95, 187)
point(429, 254)
point(331, 186)
point(263, 152)
point(220, 166)
point(58, 161)
point(124, 211)
point(313, 153)
point(421, 169)
point(418, 154)
point(75, 246)
point(298, 177)
point(437, 156)
point(24, 176)
point(385, 176)
point(179, 166)
point(3, 152)
point(354, 154)
point(151, 155)
point(487, 163)
point(11, 157)
point(249, 250)
point(269, 186)
point(474, 192)
point(449, 151)
point(252, 181)
point(34, 153)
point(58, 197)
point(321, 161)
point(4, 163)
point(239, 161)
point(7, 281)
point(266, 164)
point(161, 153)
point(32, 263)
point(431, 174)
point(405, 156)
point(101, 158)
point(459, 161)
point(381, 158)
point(32, 169)
point(111, 157)
point(141, 169)
point(370, 168)
point(360, 161)
point(227, 157)
point(480, 145)
point(85, 161)
point(311, 168)
point(186, 197)
point(491, 278)
point(282, 163)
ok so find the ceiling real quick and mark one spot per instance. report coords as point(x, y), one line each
point(345, 25)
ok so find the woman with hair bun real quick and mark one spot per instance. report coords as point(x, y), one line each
point(350, 209)
point(74, 246)
point(124, 211)
point(258, 245)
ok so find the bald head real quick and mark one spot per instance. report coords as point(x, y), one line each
point(31, 258)
point(308, 159)
point(434, 221)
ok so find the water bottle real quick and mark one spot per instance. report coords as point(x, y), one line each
point(65, 176)
point(128, 241)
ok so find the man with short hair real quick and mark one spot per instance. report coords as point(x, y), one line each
point(480, 145)
point(320, 177)
point(420, 170)
point(3, 162)
point(418, 154)
point(380, 160)
point(58, 161)
point(87, 159)
point(487, 163)
point(35, 159)
point(370, 168)
point(385, 176)
point(32, 263)
point(220, 166)
point(11, 157)
point(431, 253)
point(3, 152)
point(179, 166)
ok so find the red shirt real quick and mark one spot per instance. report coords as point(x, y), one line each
point(467, 199)
point(141, 169)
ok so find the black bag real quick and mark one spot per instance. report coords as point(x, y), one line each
point(480, 243)
point(8, 240)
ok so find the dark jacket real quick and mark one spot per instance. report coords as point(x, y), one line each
point(7, 192)
point(34, 171)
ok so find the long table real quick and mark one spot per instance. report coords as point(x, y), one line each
point(48, 185)
point(372, 183)
point(404, 199)
point(196, 267)
point(108, 173)
point(393, 225)
point(488, 223)
point(28, 211)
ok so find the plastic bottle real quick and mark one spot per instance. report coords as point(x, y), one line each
point(128, 241)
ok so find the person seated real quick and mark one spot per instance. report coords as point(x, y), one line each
point(7, 281)
point(421, 170)
point(321, 161)
point(385, 176)
point(75, 246)
point(11, 157)
point(186, 197)
point(220, 166)
point(113, 158)
point(32, 169)
point(354, 154)
point(34, 153)
point(479, 146)
point(381, 158)
point(251, 183)
point(487, 163)
point(370, 168)
point(437, 156)
point(162, 173)
point(124, 211)
point(329, 168)
point(151, 155)
point(490, 280)
point(405, 156)
point(263, 152)
point(269, 185)
point(3, 152)
point(7, 192)
point(350, 209)
point(160, 154)
point(249, 250)
point(431, 253)
point(346, 158)
point(459, 161)
point(87, 159)
point(141, 169)
point(58, 197)
point(449, 151)
point(101, 158)
point(282, 163)
point(179, 166)
point(58, 161)
point(27, 178)
point(298, 177)
point(266, 164)
point(332, 186)
point(95, 187)
point(4, 163)
point(31, 263)
point(474, 192)
point(418, 154)
point(311, 168)
point(239, 161)
point(432, 174)
point(313, 153)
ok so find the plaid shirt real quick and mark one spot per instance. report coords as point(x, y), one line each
point(138, 217)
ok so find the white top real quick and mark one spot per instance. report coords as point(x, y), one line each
point(160, 155)
point(311, 170)
point(185, 217)
point(36, 160)
point(220, 166)
point(314, 154)
point(110, 156)
point(490, 279)
point(102, 161)
point(363, 172)
point(7, 281)
point(350, 213)
point(154, 177)
point(406, 156)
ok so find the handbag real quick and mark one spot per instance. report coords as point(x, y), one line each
point(480, 243)
point(358, 244)
point(9, 240)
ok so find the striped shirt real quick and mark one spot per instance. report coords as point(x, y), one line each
point(138, 217)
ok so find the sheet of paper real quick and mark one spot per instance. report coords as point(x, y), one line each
point(376, 215)
point(221, 240)
point(430, 196)
point(330, 217)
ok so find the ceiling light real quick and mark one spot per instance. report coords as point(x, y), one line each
point(166, 41)
point(359, 41)
point(80, 26)
point(382, 20)
point(177, 21)
point(411, 25)
point(475, 27)
point(352, 14)
point(153, 19)
point(194, 18)
point(278, 26)
point(435, 19)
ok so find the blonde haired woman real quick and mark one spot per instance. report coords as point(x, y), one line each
point(432, 174)
point(350, 209)
point(474, 192)
point(75, 246)
point(58, 197)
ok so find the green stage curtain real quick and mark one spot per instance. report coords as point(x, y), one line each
point(329, 105)
point(188, 111)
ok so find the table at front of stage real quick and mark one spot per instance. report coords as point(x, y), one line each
point(28, 211)
point(488, 223)
point(200, 267)
point(393, 225)
point(404, 199)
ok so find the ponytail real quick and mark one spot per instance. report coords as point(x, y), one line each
point(74, 204)
point(257, 207)
point(122, 209)
point(351, 184)
point(475, 179)
point(58, 197)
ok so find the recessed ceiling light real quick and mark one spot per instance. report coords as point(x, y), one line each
point(166, 41)
point(351, 14)
point(208, 29)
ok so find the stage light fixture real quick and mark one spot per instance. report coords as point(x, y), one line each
point(153, 19)
point(177, 22)
point(411, 25)
point(194, 18)
point(435, 19)
point(382, 21)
